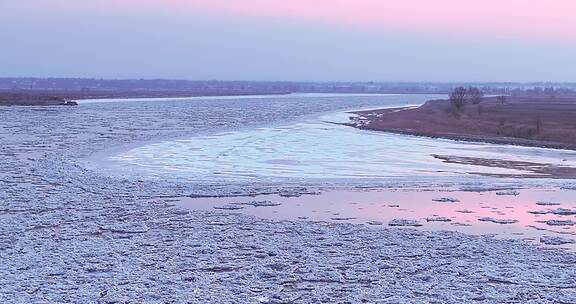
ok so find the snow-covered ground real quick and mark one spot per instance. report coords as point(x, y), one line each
point(72, 235)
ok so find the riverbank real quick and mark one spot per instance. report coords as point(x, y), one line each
point(16, 98)
point(537, 122)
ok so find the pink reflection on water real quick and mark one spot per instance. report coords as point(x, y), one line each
point(384, 205)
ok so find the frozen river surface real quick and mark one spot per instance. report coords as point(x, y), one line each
point(314, 148)
point(71, 235)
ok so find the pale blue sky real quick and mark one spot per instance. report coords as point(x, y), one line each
point(58, 41)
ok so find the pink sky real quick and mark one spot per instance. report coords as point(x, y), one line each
point(532, 19)
point(320, 40)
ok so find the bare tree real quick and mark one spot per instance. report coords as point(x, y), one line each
point(458, 98)
point(475, 94)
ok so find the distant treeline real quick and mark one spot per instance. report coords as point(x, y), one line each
point(213, 87)
point(545, 91)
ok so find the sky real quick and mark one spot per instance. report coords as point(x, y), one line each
point(296, 40)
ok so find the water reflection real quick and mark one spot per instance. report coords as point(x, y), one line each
point(528, 209)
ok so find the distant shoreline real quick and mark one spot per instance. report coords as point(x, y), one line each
point(54, 98)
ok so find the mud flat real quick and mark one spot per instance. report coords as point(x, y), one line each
point(68, 234)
